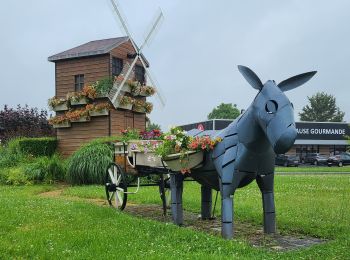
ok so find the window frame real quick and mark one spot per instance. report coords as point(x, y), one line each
point(79, 82)
point(117, 66)
point(137, 74)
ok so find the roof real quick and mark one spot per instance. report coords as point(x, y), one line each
point(97, 47)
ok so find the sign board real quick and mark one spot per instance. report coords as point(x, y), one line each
point(322, 131)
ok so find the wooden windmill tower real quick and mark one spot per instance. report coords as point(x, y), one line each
point(83, 65)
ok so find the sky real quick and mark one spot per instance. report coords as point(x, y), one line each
point(194, 54)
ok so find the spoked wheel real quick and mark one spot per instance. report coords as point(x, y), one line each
point(116, 186)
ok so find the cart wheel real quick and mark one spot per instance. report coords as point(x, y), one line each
point(116, 186)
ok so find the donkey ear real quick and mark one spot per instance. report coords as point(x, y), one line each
point(251, 77)
point(296, 81)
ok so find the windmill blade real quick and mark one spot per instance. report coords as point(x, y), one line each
point(115, 85)
point(120, 16)
point(156, 23)
point(154, 83)
point(122, 22)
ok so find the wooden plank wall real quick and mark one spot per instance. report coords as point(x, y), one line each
point(93, 68)
point(70, 139)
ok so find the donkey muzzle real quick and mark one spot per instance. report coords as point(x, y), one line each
point(285, 141)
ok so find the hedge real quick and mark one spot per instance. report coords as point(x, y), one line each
point(42, 146)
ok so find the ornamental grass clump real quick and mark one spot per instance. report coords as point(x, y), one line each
point(88, 164)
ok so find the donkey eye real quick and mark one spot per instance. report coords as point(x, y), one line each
point(271, 107)
point(292, 105)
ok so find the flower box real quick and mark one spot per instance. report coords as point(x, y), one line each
point(147, 159)
point(138, 109)
point(127, 106)
point(192, 159)
point(81, 119)
point(62, 125)
point(103, 112)
point(60, 107)
point(80, 101)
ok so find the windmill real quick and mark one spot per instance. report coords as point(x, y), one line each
point(117, 87)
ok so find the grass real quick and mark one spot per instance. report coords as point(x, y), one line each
point(35, 227)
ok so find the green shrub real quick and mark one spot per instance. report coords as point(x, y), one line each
point(10, 155)
point(14, 176)
point(45, 169)
point(88, 164)
point(43, 146)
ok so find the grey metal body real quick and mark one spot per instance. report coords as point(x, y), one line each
point(247, 151)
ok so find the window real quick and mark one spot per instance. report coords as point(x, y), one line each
point(140, 74)
point(117, 66)
point(79, 82)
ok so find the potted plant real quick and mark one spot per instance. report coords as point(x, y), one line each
point(139, 106)
point(182, 152)
point(143, 150)
point(89, 92)
point(146, 91)
point(148, 107)
point(59, 122)
point(78, 115)
point(126, 102)
point(77, 98)
point(103, 86)
point(99, 109)
point(58, 104)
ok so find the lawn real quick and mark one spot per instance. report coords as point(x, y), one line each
point(32, 226)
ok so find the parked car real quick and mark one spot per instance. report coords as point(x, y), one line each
point(287, 160)
point(340, 160)
point(315, 158)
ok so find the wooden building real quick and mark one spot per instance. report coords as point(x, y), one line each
point(84, 65)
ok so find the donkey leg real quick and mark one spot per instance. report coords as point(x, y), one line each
point(226, 209)
point(206, 196)
point(176, 186)
point(265, 184)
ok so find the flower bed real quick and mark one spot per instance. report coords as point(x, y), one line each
point(126, 102)
point(141, 106)
point(77, 98)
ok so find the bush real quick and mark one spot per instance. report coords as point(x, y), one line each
point(11, 155)
point(23, 121)
point(88, 164)
point(44, 146)
point(13, 176)
point(46, 169)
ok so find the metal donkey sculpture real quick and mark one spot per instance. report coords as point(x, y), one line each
point(246, 153)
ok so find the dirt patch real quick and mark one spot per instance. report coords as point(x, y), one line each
point(253, 234)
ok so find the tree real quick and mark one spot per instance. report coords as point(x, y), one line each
point(23, 122)
point(224, 111)
point(152, 126)
point(322, 108)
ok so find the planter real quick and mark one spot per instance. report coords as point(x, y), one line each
point(81, 101)
point(61, 107)
point(81, 119)
point(62, 125)
point(103, 112)
point(147, 159)
point(191, 160)
point(139, 109)
point(127, 106)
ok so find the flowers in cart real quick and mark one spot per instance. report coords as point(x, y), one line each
point(182, 152)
